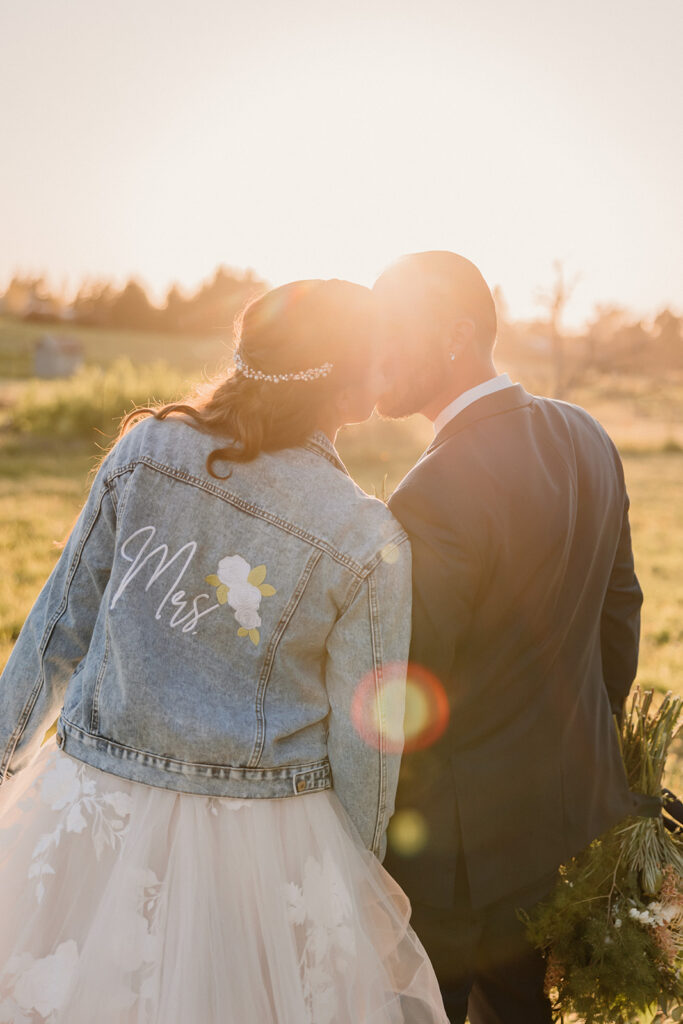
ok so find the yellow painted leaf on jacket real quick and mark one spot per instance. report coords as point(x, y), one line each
point(213, 580)
point(257, 575)
point(242, 631)
point(222, 594)
point(267, 590)
point(254, 636)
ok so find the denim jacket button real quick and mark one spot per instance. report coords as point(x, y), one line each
point(301, 785)
point(59, 739)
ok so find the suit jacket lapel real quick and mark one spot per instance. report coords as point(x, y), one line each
point(490, 405)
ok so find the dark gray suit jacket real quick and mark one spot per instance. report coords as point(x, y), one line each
point(526, 607)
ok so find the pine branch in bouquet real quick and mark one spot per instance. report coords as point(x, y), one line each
point(613, 928)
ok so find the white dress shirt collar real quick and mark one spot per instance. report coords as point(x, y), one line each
point(488, 387)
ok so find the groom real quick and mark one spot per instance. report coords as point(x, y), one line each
point(526, 613)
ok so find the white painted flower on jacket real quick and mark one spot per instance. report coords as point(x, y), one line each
point(242, 588)
point(248, 618)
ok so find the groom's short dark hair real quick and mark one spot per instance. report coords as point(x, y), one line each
point(447, 282)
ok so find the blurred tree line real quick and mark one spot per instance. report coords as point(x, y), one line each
point(612, 342)
point(99, 304)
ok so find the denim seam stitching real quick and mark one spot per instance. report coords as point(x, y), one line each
point(318, 449)
point(105, 741)
point(259, 741)
point(13, 741)
point(47, 635)
point(381, 724)
point(113, 474)
point(254, 510)
point(401, 537)
point(75, 562)
point(121, 507)
point(95, 713)
point(351, 596)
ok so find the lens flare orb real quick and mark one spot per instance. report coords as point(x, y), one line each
point(378, 706)
point(406, 710)
point(427, 710)
point(408, 833)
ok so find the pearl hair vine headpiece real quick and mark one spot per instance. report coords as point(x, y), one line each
point(278, 378)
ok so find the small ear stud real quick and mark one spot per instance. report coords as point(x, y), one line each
point(452, 357)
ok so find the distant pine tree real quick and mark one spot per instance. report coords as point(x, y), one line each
point(132, 308)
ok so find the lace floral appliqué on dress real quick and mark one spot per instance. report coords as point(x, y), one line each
point(67, 786)
point(122, 903)
point(91, 819)
point(321, 906)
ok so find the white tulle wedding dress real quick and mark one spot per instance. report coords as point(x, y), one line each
point(125, 904)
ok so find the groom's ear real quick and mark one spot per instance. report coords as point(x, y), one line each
point(460, 337)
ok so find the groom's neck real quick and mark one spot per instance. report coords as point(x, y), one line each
point(463, 378)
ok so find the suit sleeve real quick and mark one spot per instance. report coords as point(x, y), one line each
point(620, 621)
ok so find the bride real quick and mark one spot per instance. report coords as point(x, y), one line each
point(223, 641)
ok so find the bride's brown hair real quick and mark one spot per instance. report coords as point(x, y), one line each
point(291, 329)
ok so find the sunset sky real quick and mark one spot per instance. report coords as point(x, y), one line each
point(162, 137)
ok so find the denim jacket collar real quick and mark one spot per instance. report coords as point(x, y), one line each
point(321, 445)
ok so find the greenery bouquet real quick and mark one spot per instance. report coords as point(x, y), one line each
point(613, 927)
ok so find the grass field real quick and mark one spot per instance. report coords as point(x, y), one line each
point(197, 353)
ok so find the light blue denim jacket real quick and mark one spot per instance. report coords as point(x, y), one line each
point(229, 638)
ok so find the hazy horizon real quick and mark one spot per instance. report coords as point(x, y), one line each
point(160, 141)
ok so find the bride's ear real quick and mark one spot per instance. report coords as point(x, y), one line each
point(346, 401)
